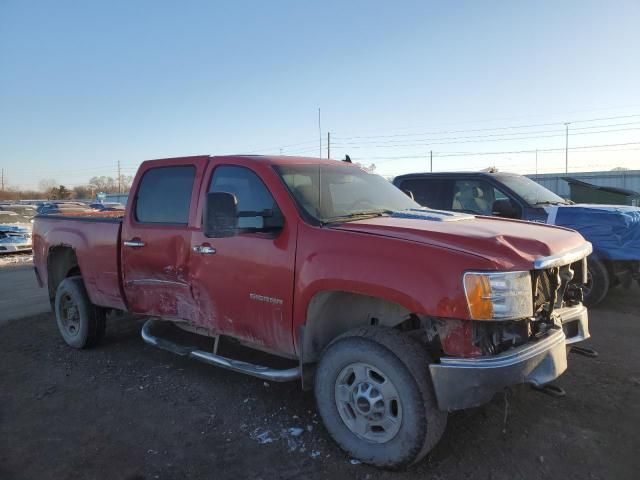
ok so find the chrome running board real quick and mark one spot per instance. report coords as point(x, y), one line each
point(260, 371)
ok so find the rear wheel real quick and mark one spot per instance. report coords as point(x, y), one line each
point(375, 396)
point(598, 283)
point(80, 323)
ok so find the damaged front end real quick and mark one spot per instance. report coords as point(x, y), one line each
point(14, 238)
point(522, 323)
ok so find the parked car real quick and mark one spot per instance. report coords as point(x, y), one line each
point(15, 235)
point(12, 218)
point(395, 314)
point(107, 206)
point(613, 230)
point(62, 208)
point(24, 210)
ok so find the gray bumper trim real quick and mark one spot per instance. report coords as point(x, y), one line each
point(568, 316)
point(565, 258)
point(468, 382)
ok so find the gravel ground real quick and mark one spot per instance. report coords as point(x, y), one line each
point(125, 410)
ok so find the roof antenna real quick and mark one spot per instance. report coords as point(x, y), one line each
point(347, 159)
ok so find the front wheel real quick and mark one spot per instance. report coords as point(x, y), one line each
point(80, 323)
point(598, 283)
point(375, 397)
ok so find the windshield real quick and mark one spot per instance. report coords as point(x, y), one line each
point(342, 192)
point(533, 193)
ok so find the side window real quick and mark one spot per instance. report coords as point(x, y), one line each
point(250, 192)
point(475, 196)
point(498, 195)
point(164, 195)
point(430, 192)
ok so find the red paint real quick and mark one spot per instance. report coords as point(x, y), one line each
point(417, 264)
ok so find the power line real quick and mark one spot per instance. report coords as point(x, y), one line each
point(397, 142)
point(267, 149)
point(454, 140)
point(512, 152)
point(510, 127)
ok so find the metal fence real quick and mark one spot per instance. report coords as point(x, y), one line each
point(629, 179)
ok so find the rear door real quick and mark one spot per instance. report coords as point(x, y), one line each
point(244, 283)
point(156, 239)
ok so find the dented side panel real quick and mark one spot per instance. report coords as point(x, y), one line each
point(245, 289)
point(156, 278)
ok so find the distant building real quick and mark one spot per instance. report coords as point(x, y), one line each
point(112, 197)
point(621, 179)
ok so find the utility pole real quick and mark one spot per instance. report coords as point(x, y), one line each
point(431, 159)
point(536, 161)
point(566, 149)
point(320, 132)
point(119, 179)
point(328, 145)
point(3, 179)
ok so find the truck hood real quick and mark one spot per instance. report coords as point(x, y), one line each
point(509, 244)
point(614, 230)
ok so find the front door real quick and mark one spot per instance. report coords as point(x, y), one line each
point(156, 242)
point(244, 284)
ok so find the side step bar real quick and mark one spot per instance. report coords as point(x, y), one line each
point(260, 371)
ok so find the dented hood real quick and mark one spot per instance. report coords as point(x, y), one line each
point(509, 244)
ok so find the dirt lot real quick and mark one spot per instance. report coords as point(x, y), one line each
point(125, 410)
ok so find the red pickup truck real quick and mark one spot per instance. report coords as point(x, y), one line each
point(394, 313)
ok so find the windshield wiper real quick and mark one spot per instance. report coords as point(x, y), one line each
point(357, 216)
point(548, 202)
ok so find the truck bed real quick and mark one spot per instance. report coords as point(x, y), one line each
point(95, 243)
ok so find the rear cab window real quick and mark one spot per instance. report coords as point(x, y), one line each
point(164, 195)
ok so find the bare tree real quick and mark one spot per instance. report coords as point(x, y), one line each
point(110, 184)
point(104, 184)
point(83, 192)
point(46, 184)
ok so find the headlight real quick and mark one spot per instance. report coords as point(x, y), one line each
point(499, 295)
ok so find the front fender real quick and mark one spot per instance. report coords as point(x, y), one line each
point(422, 279)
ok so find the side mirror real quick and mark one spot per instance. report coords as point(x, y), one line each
point(505, 208)
point(267, 220)
point(220, 215)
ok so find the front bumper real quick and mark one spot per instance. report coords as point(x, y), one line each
point(575, 323)
point(468, 382)
point(13, 248)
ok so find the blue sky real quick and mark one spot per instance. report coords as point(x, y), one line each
point(85, 84)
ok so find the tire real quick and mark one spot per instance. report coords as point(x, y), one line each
point(411, 426)
point(80, 323)
point(598, 283)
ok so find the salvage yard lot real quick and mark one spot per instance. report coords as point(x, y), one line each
point(125, 410)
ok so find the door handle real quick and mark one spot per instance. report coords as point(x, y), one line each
point(136, 242)
point(204, 250)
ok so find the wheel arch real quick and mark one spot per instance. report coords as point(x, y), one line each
point(62, 262)
point(330, 313)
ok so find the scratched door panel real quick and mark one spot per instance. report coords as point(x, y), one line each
point(245, 288)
